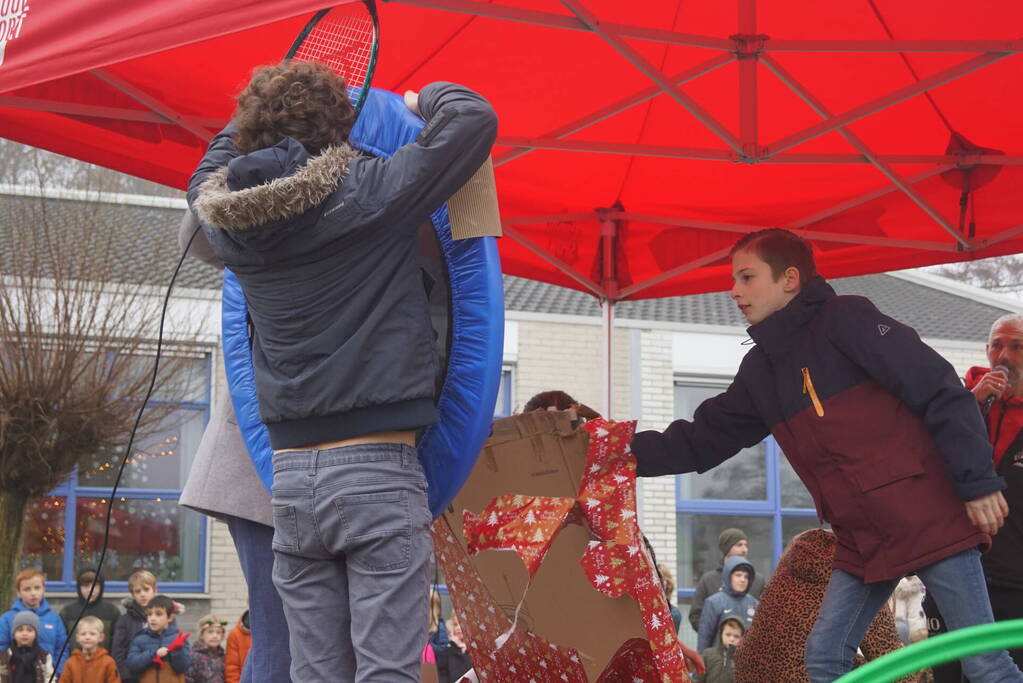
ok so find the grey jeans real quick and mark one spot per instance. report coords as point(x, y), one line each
point(351, 561)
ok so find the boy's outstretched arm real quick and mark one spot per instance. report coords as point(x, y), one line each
point(895, 357)
point(721, 427)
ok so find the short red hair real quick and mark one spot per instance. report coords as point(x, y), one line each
point(25, 575)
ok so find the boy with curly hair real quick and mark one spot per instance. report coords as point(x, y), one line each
point(323, 241)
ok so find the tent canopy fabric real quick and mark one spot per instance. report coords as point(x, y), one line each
point(637, 140)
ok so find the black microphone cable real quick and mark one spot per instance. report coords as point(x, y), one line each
point(127, 452)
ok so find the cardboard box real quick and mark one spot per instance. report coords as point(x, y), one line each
point(537, 454)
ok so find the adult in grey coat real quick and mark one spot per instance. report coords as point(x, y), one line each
point(732, 542)
point(223, 484)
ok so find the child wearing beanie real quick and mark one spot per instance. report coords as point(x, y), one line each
point(24, 661)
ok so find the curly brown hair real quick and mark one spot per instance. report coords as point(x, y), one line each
point(301, 100)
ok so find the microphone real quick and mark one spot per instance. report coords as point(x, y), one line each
point(990, 400)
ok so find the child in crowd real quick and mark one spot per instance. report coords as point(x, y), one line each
point(25, 661)
point(453, 662)
point(159, 653)
point(732, 600)
point(437, 631)
point(30, 585)
point(238, 643)
point(208, 653)
point(90, 605)
point(720, 658)
point(668, 584)
point(142, 586)
point(90, 663)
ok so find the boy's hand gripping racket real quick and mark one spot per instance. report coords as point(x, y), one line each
point(345, 39)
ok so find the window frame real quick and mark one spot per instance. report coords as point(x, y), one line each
point(70, 491)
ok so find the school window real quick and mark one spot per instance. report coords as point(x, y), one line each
point(755, 490)
point(65, 530)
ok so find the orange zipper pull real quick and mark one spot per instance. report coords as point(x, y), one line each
point(808, 388)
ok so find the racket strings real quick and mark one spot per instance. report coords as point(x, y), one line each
point(344, 45)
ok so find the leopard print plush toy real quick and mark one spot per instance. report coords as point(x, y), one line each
point(772, 650)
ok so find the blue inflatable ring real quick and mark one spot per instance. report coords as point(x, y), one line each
point(448, 449)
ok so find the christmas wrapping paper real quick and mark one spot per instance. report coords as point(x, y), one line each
point(615, 562)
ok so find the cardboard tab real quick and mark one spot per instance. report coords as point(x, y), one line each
point(473, 210)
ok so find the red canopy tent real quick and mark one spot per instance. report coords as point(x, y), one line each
point(636, 138)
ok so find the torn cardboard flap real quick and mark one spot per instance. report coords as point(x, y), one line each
point(473, 209)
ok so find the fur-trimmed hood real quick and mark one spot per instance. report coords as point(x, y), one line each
point(270, 185)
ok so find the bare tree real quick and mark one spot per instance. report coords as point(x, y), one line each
point(999, 274)
point(77, 342)
point(24, 165)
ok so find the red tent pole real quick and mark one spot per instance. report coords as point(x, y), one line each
point(750, 46)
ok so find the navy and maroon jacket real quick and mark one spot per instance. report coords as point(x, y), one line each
point(875, 422)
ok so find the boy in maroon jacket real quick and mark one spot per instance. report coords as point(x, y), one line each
point(879, 429)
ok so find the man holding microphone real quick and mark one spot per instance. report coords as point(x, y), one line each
point(999, 392)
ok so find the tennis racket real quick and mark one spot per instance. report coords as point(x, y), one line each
point(345, 39)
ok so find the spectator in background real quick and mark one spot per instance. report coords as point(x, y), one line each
point(90, 663)
point(668, 584)
point(733, 599)
point(453, 661)
point(25, 661)
point(438, 631)
point(720, 657)
point(732, 543)
point(142, 586)
point(90, 605)
point(159, 652)
point(238, 643)
point(999, 394)
point(30, 585)
point(208, 653)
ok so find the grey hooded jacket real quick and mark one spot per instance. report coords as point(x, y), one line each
point(324, 248)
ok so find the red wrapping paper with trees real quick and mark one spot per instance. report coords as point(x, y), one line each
point(615, 562)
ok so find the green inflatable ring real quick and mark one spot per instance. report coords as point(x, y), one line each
point(938, 650)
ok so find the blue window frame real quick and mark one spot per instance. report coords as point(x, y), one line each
point(756, 491)
point(148, 530)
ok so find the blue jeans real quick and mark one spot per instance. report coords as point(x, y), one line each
point(352, 552)
point(269, 660)
point(958, 586)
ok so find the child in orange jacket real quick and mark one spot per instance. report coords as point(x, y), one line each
point(90, 663)
point(238, 642)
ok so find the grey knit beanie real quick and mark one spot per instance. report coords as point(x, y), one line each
point(728, 538)
point(25, 618)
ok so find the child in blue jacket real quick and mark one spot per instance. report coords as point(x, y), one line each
point(159, 654)
point(30, 585)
